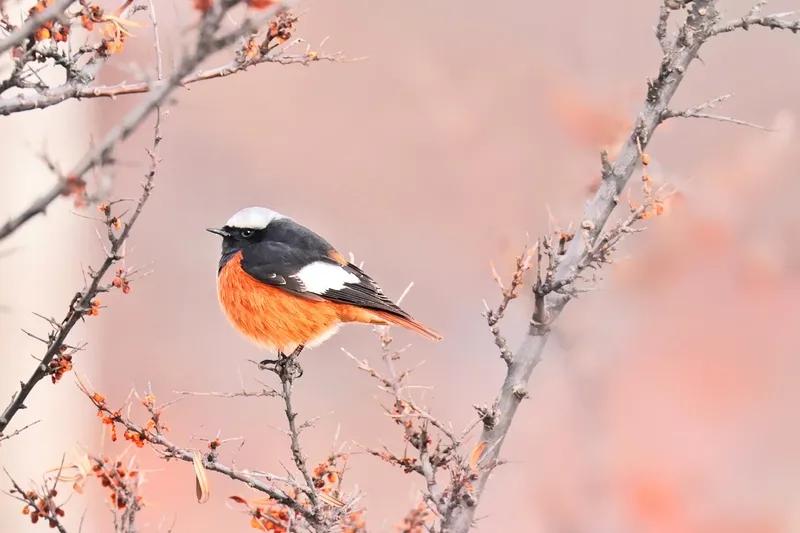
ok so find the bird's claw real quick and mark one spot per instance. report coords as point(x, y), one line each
point(286, 367)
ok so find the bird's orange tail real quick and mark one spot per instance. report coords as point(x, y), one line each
point(410, 323)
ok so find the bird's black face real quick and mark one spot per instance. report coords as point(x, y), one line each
point(235, 240)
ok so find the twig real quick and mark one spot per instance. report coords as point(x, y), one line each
point(697, 112)
point(37, 207)
point(263, 393)
point(51, 97)
point(494, 316)
point(156, 41)
point(286, 369)
point(723, 118)
point(776, 21)
point(18, 431)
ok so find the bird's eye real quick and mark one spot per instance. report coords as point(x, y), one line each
point(247, 233)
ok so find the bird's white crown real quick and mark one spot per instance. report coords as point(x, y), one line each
point(253, 218)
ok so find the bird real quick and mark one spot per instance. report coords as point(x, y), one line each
point(286, 288)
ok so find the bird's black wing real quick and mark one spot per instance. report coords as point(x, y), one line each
point(364, 293)
point(291, 256)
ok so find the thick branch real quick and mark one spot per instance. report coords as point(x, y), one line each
point(701, 18)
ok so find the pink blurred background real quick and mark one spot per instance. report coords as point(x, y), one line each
point(667, 398)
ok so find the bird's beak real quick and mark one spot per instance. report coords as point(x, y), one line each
point(219, 231)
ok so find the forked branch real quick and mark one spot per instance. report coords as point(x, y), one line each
point(551, 295)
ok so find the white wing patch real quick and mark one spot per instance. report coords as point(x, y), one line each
point(319, 277)
point(253, 218)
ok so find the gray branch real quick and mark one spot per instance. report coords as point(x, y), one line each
point(776, 21)
point(700, 25)
point(57, 95)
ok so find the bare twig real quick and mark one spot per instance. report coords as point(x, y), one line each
point(494, 316)
point(37, 207)
point(51, 97)
point(287, 370)
point(722, 118)
point(263, 393)
point(776, 21)
point(698, 112)
point(17, 431)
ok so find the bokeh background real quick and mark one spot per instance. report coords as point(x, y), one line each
point(667, 398)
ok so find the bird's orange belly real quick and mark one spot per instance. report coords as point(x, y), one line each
point(270, 316)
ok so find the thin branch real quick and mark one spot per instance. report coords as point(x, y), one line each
point(18, 431)
point(50, 97)
point(263, 393)
point(156, 41)
point(776, 21)
point(722, 118)
point(170, 450)
point(287, 369)
point(39, 206)
point(697, 112)
point(494, 316)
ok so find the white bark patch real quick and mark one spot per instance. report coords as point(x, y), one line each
point(253, 218)
point(319, 277)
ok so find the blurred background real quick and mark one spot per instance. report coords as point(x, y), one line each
point(667, 398)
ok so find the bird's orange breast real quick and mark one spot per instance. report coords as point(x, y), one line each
point(277, 318)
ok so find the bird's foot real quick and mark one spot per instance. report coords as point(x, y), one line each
point(285, 366)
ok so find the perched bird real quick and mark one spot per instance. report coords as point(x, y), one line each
point(284, 287)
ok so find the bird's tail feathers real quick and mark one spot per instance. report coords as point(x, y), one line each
point(409, 323)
